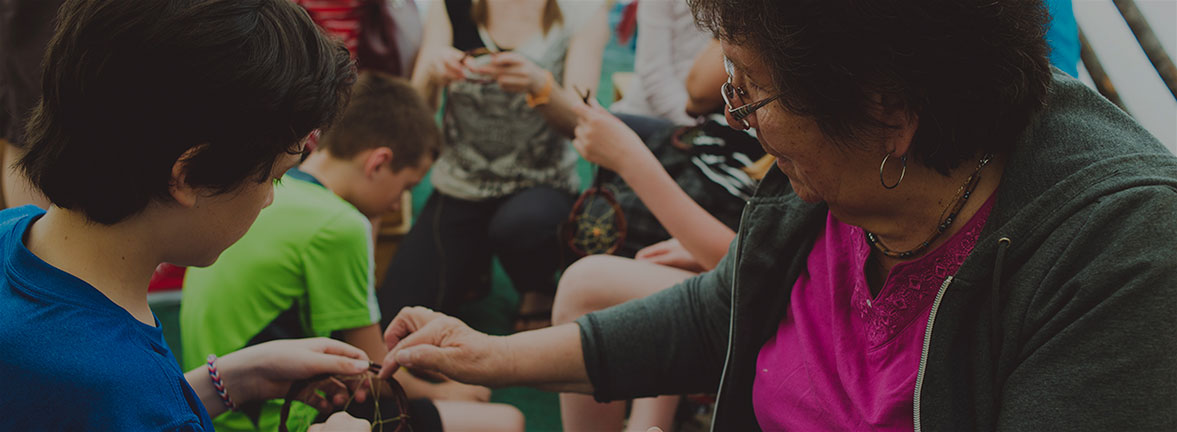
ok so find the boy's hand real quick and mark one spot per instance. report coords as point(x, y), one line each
point(265, 371)
point(423, 340)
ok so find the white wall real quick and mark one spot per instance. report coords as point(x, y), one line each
point(1142, 90)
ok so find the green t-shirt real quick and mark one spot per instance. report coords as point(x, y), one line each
point(304, 269)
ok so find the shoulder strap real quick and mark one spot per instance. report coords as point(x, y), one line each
point(465, 31)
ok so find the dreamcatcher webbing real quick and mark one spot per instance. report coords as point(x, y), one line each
point(596, 224)
point(391, 416)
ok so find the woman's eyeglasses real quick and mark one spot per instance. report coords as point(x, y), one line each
point(733, 96)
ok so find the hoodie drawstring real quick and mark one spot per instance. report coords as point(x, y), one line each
point(995, 312)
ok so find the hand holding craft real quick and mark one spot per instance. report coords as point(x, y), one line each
point(515, 73)
point(427, 341)
point(603, 139)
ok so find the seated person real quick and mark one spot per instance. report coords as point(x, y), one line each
point(306, 268)
point(600, 281)
point(162, 128)
point(506, 177)
point(1012, 253)
point(667, 42)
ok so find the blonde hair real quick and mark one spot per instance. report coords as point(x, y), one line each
point(552, 15)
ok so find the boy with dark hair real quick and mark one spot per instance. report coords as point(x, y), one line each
point(306, 267)
point(161, 128)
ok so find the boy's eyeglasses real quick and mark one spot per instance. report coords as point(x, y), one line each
point(733, 96)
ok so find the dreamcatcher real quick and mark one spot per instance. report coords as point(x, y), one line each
point(386, 406)
point(596, 224)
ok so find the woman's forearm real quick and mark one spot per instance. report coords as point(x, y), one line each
point(548, 359)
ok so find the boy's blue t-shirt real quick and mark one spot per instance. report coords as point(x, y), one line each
point(70, 359)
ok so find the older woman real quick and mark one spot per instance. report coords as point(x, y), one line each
point(960, 240)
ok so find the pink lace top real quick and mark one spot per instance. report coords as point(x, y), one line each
point(841, 358)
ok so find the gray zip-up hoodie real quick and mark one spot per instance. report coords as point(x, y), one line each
point(1064, 317)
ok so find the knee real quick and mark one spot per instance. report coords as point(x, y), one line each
point(522, 231)
point(512, 419)
point(576, 288)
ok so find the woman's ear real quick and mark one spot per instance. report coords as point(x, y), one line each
point(901, 137)
point(183, 193)
point(375, 159)
point(901, 123)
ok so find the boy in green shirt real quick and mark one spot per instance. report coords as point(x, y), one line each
point(306, 267)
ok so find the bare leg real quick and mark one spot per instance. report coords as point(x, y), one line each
point(479, 416)
point(595, 283)
point(17, 189)
point(649, 412)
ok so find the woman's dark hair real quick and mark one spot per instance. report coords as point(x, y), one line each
point(129, 86)
point(974, 71)
point(384, 111)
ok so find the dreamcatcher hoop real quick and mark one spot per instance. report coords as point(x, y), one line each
point(387, 390)
point(587, 233)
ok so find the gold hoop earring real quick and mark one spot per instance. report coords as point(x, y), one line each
point(901, 173)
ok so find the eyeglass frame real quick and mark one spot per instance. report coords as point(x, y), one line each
point(729, 91)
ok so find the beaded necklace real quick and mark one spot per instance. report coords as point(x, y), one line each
point(970, 185)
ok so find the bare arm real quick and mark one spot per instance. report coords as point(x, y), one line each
point(548, 359)
point(582, 72)
point(603, 139)
point(705, 79)
point(700, 233)
point(265, 371)
point(438, 61)
point(366, 338)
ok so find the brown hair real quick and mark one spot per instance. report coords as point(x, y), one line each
point(552, 15)
point(384, 111)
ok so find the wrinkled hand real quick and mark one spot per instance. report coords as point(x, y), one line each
point(444, 65)
point(514, 73)
point(670, 253)
point(456, 391)
point(605, 140)
point(265, 371)
point(426, 341)
point(341, 421)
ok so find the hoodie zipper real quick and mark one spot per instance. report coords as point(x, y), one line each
point(919, 378)
point(731, 326)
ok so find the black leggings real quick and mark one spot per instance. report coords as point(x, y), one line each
point(444, 260)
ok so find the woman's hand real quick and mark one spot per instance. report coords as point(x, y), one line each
point(443, 65)
point(427, 341)
point(670, 253)
point(265, 371)
point(341, 421)
point(514, 73)
point(605, 140)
